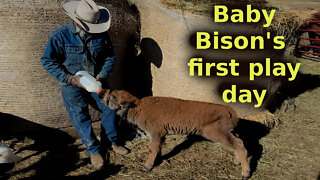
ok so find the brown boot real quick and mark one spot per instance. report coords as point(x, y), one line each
point(97, 161)
point(120, 150)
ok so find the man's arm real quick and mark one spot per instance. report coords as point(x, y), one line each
point(109, 60)
point(52, 60)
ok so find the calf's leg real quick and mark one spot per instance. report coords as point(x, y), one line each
point(240, 155)
point(229, 140)
point(154, 150)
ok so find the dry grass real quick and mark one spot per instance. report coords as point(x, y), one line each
point(203, 7)
point(285, 23)
point(289, 151)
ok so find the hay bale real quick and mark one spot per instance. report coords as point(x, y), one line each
point(173, 32)
point(27, 90)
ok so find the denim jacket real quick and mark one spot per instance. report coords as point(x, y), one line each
point(66, 54)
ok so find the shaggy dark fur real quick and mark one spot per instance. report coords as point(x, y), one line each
point(160, 116)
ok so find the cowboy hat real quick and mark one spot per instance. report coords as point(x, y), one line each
point(86, 13)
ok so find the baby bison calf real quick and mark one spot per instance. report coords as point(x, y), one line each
point(160, 116)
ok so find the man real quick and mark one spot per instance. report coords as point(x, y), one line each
point(83, 45)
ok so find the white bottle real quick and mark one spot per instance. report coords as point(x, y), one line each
point(7, 155)
point(89, 82)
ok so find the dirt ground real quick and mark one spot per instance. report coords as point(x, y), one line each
point(288, 151)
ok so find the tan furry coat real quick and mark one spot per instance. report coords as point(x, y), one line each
point(160, 116)
point(175, 116)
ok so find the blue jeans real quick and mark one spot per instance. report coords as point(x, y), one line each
point(75, 100)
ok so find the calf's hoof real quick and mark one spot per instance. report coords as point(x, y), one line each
point(146, 169)
point(245, 177)
point(236, 162)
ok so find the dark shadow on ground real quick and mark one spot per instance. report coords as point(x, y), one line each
point(104, 173)
point(292, 89)
point(60, 154)
point(191, 139)
point(251, 132)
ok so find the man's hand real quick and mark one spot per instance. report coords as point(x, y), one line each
point(75, 81)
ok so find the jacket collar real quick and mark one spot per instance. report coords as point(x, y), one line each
point(72, 28)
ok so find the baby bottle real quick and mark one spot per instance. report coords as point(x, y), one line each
point(89, 82)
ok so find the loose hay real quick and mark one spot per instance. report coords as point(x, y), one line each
point(265, 117)
point(293, 143)
point(285, 23)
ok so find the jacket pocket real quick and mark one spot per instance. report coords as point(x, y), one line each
point(74, 54)
point(97, 51)
point(72, 48)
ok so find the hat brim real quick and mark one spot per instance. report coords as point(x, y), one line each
point(102, 25)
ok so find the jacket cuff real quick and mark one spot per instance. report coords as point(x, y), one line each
point(99, 76)
point(69, 78)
